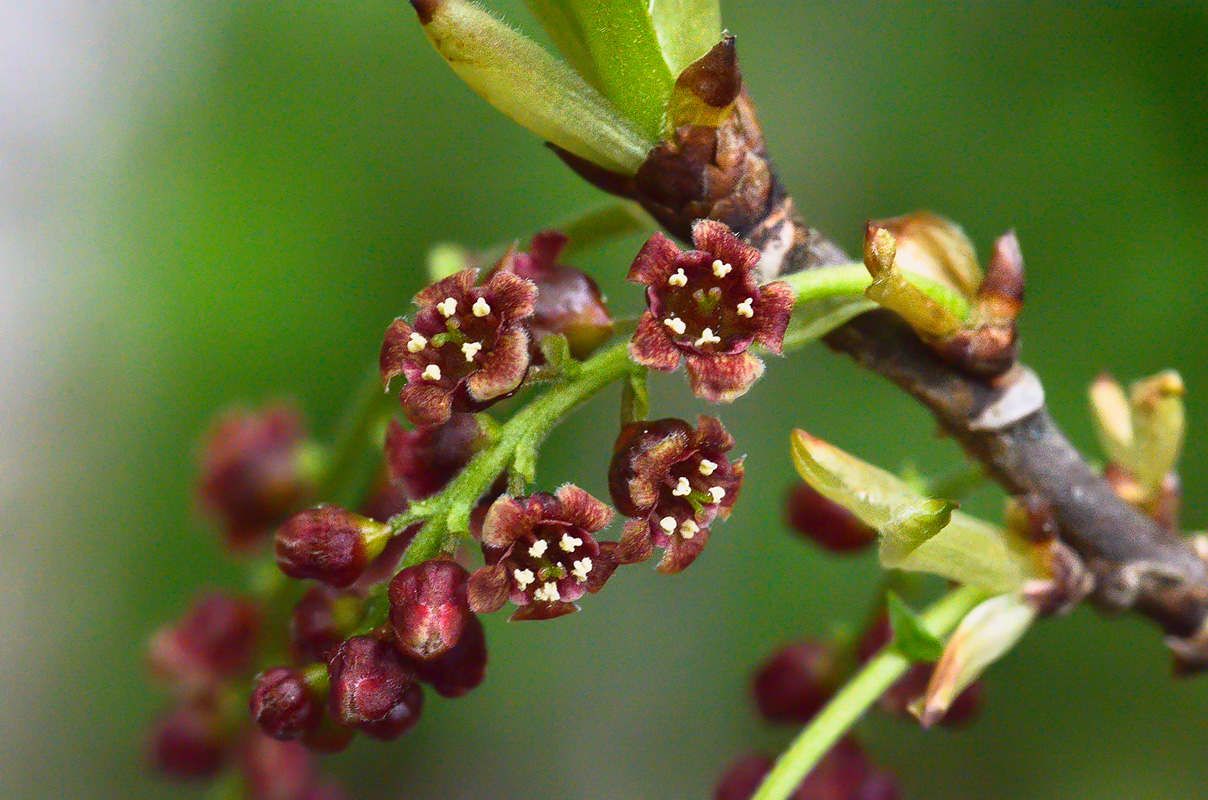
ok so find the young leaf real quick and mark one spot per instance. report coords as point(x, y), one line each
point(984, 636)
point(518, 77)
point(910, 638)
point(686, 29)
point(918, 533)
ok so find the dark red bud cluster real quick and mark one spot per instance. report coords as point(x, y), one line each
point(825, 522)
point(256, 467)
point(844, 773)
point(329, 544)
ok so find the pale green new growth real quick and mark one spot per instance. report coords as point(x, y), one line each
point(985, 635)
point(518, 77)
point(687, 29)
point(918, 534)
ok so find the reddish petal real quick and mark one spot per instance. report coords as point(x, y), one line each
point(602, 566)
point(655, 261)
point(723, 379)
point(394, 350)
point(717, 239)
point(635, 545)
point(711, 437)
point(545, 247)
point(506, 520)
point(504, 367)
point(426, 403)
point(681, 552)
point(487, 589)
point(582, 510)
point(732, 487)
point(513, 296)
point(455, 286)
point(772, 314)
point(542, 611)
point(651, 347)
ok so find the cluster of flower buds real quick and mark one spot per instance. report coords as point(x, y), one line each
point(205, 659)
point(471, 345)
point(844, 773)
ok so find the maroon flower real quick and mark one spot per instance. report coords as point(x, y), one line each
point(424, 460)
point(329, 544)
point(674, 481)
point(373, 689)
point(468, 347)
point(568, 300)
point(214, 640)
point(541, 554)
point(826, 522)
point(706, 306)
point(429, 608)
point(256, 468)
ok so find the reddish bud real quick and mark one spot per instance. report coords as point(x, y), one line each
point(568, 300)
point(844, 773)
point(461, 669)
point(743, 777)
point(424, 460)
point(320, 621)
point(826, 522)
point(329, 544)
point(283, 704)
point(429, 608)
point(256, 468)
point(796, 682)
point(275, 770)
point(215, 639)
point(188, 742)
point(373, 689)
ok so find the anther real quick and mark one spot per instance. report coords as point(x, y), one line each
point(689, 529)
point(568, 543)
point(582, 567)
point(416, 343)
point(676, 325)
point(667, 524)
point(470, 349)
point(707, 337)
point(480, 308)
point(538, 548)
point(720, 268)
point(707, 467)
point(745, 309)
point(682, 488)
point(431, 372)
point(523, 578)
point(717, 493)
point(447, 307)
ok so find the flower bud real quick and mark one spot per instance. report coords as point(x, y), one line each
point(373, 689)
point(322, 618)
point(215, 639)
point(568, 300)
point(283, 703)
point(743, 777)
point(796, 682)
point(826, 522)
point(844, 773)
point(256, 468)
point(276, 770)
point(424, 460)
point(188, 742)
point(428, 608)
point(461, 669)
point(329, 544)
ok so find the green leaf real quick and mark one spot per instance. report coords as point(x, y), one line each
point(815, 319)
point(918, 534)
point(614, 45)
point(686, 29)
point(521, 79)
point(910, 638)
point(985, 635)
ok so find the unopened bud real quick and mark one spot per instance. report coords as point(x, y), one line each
point(796, 682)
point(188, 742)
point(425, 459)
point(329, 544)
point(283, 703)
point(215, 639)
point(461, 669)
point(373, 689)
point(428, 608)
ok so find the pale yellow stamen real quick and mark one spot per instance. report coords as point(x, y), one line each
point(431, 372)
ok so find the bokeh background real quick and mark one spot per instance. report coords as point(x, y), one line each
point(208, 202)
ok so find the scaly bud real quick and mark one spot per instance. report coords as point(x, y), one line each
point(936, 248)
point(329, 544)
point(429, 608)
point(214, 640)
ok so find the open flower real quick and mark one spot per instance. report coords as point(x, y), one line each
point(467, 348)
point(541, 553)
point(706, 307)
point(674, 481)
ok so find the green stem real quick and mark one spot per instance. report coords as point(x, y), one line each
point(846, 708)
point(448, 513)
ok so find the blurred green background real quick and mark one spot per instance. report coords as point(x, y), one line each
point(244, 203)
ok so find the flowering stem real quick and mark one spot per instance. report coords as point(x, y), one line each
point(846, 708)
point(515, 447)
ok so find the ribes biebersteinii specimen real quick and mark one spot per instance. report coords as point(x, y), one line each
point(673, 481)
point(706, 307)
point(541, 553)
point(468, 346)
